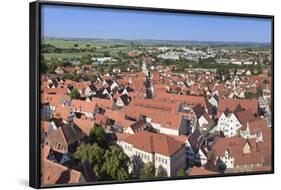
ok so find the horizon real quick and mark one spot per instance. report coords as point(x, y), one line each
point(123, 39)
point(77, 22)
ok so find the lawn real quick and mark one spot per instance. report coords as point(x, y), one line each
point(102, 46)
point(71, 55)
point(65, 43)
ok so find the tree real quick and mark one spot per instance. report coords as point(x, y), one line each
point(73, 76)
point(265, 81)
point(75, 45)
point(66, 63)
point(98, 135)
point(161, 172)
point(259, 92)
point(106, 54)
point(86, 59)
point(116, 163)
point(221, 166)
point(54, 63)
point(94, 155)
point(43, 64)
point(74, 94)
point(248, 95)
point(137, 164)
point(148, 171)
point(181, 172)
point(187, 92)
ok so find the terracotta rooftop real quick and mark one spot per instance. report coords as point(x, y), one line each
point(45, 126)
point(154, 143)
point(61, 112)
point(155, 104)
point(245, 116)
point(103, 103)
point(200, 171)
point(54, 99)
point(54, 173)
point(231, 104)
point(166, 119)
point(84, 124)
point(189, 100)
point(235, 146)
point(84, 106)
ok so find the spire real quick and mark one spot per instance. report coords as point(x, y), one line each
point(148, 86)
point(147, 82)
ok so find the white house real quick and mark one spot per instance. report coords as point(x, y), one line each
point(204, 121)
point(228, 124)
point(165, 152)
point(90, 90)
point(214, 100)
point(114, 85)
point(201, 157)
point(123, 100)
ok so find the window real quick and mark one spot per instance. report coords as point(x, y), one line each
point(165, 161)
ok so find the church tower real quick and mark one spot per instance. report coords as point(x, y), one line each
point(147, 82)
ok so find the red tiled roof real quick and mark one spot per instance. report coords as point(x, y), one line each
point(58, 91)
point(155, 104)
point(103, 103)
point(54, 99)
point(245, 116)
point(61, 112)
point(154, 143)
point(235, 145)
point(53, 173)
point(45, 150)
point(231, 104)
point(84, 124)
point(45, 126)
point(190, 100)
point(200, 171)
point(166, 119)
point(84, 106)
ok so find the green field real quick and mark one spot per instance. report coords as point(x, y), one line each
point(73, 55)
point(68, 43)
point(101, 47)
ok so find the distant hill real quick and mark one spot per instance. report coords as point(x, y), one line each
point(160, 42)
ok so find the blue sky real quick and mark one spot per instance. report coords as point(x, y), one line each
point(84, 22)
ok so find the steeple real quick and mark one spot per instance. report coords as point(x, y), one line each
point(147, 82)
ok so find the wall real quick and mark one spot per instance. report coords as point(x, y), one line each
point(14, 58)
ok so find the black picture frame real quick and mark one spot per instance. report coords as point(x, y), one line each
point(34, 88)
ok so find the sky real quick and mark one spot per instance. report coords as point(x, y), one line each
point(89, 22)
